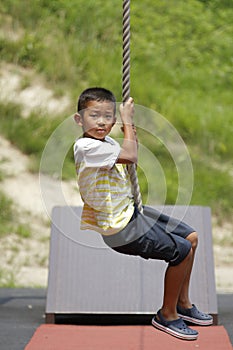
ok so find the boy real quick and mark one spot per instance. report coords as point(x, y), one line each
point(105, 188)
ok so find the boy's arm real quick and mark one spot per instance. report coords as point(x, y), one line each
point(128, 153)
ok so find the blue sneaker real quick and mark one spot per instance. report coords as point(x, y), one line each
point(176, 328)
point(195, 316)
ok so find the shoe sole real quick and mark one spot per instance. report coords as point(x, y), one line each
point(196, 320)
point(172, 332)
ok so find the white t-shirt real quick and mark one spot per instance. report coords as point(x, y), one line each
point(104, 185)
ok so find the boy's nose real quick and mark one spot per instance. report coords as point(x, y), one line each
point(101, 121)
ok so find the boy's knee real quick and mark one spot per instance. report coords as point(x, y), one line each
point(193, 238)
point(189, 255)
point(182, 252)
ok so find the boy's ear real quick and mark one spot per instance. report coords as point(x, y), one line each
point(78, 119)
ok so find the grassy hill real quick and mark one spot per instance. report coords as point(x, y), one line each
point(181, 66)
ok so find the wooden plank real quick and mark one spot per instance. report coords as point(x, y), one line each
point(85, 276)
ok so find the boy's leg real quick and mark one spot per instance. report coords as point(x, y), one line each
point(167, 318)
point(183, 299)
point(173, 283)
point(185, 308)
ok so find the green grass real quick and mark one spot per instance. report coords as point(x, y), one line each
point(6, 214)
point(9, 219)
point(214, 188)
point(29, 134)
point(181, 66)
point(23, 231)
point(7, 279)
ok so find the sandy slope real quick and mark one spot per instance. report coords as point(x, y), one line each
point(25, 260)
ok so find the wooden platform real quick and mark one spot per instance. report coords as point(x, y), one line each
point(63, 337)
point(87, 277)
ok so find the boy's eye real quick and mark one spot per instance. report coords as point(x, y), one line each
point(108, 117)
point(96, 116)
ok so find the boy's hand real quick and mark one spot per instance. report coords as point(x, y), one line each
point(127, 111)
point(134, 130)
point(128, 152)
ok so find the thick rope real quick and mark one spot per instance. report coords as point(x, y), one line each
point(126, 51)
point(126, 94)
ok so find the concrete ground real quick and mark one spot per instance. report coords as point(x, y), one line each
point(22, 311)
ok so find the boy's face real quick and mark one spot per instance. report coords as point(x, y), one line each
point(97, 119)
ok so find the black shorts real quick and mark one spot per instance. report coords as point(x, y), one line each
point(165, 239)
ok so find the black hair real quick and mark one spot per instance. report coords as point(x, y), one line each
point(95, 94)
